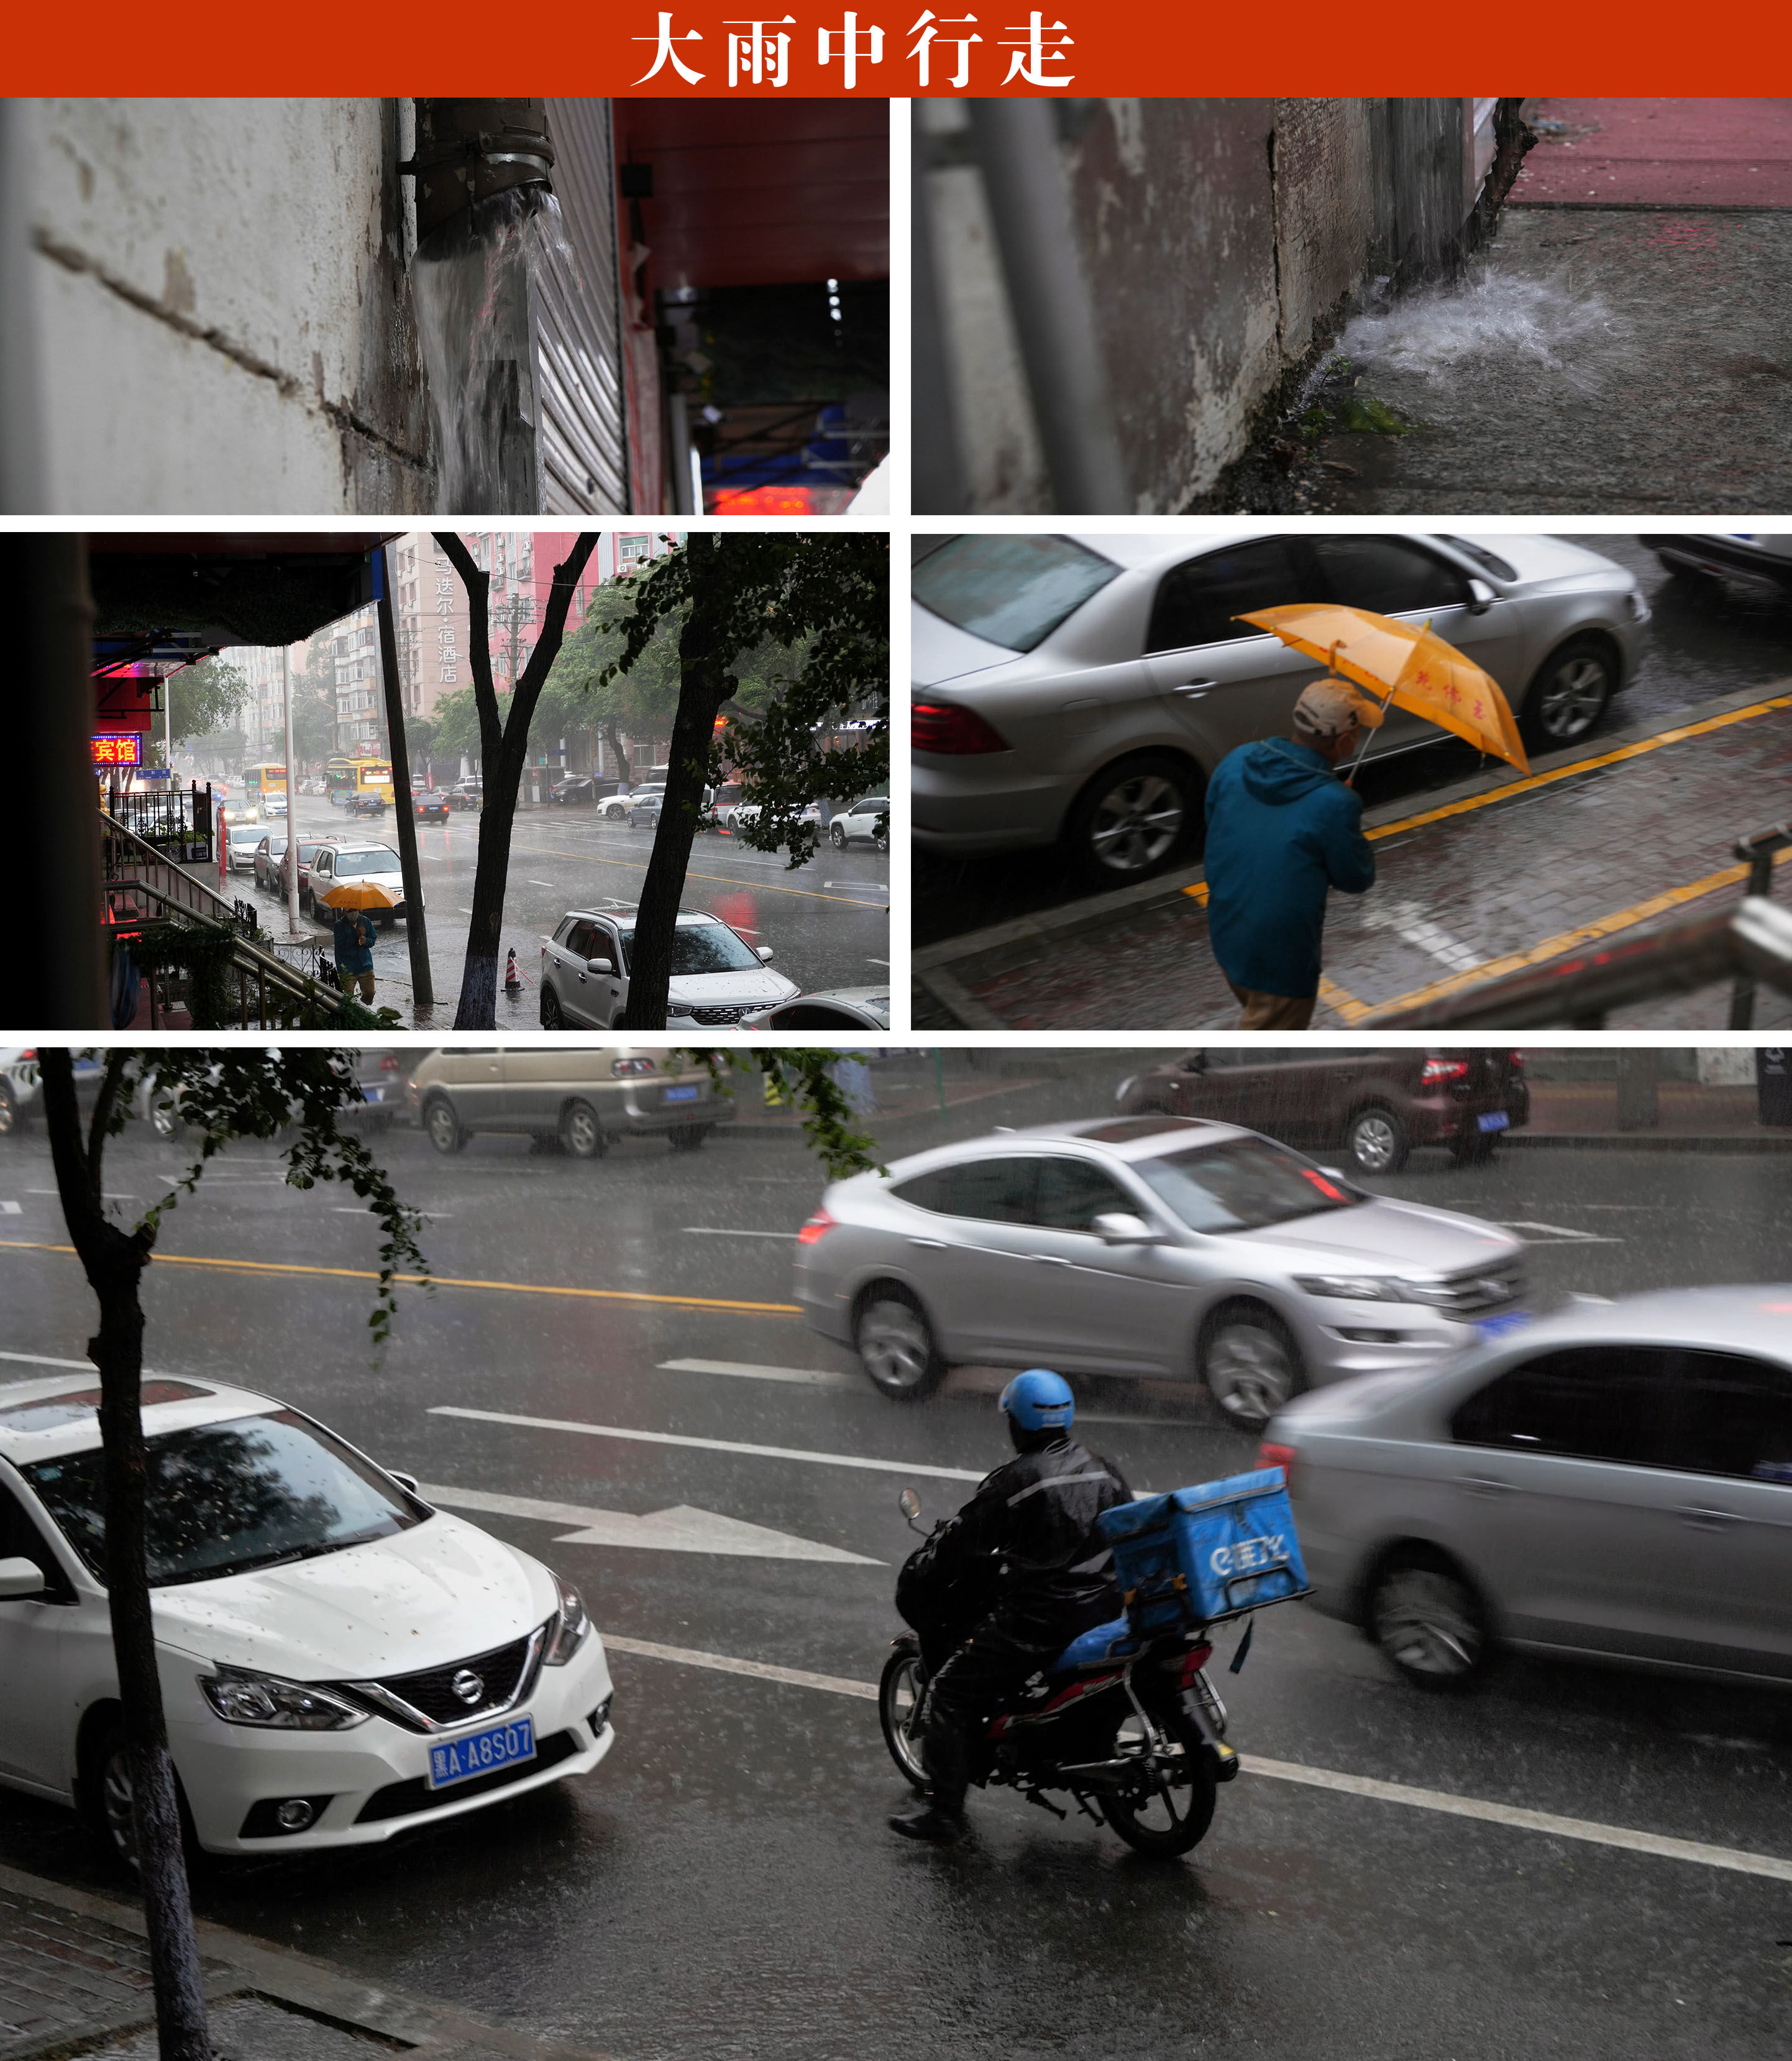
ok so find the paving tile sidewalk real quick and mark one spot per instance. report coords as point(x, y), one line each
point(74, 1980)
point(1630, 837)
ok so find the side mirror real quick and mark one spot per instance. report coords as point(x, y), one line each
point(403, 1480)
point(1482, 597)
point(1121, 1227)
point(765, 951)
point(25, 1578)
point(599, 965)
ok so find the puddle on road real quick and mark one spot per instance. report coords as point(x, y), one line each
point(1439, 332)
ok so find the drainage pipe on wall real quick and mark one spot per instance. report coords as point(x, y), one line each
point(1054, 319)
point(22, 485)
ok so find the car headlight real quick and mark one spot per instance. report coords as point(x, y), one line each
point(243, 1697)
point(1354, 1287)
point(572, 1626)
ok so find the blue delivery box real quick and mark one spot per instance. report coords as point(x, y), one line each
point(1200, 1555)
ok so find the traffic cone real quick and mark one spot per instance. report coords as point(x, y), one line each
point(512, 980)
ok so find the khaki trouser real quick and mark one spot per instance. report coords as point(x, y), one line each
point(364, 977)
point(1273, 1012)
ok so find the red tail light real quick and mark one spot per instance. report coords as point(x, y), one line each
point(817, 1228)
point(946, 729)
point(1517, 1061)
point(1445, 1070)
point(1192, 1663)
point(1272, 1456)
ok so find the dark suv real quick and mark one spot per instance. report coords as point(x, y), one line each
point(1375, 1106)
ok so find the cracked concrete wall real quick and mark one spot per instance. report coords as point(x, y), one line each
point(1219, 237)
point(224, 317)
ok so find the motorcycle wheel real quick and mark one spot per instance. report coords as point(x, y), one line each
point(1174, 1819)
point(898, 1700)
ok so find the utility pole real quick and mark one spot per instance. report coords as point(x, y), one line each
point(422, 987)
point(292, 796)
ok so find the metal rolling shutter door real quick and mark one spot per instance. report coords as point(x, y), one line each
point(584, 446)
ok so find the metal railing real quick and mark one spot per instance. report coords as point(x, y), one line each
point(181, 822)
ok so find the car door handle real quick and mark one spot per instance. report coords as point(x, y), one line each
point(929, 1244)
point(1709, 1520)
point(1194, 688)
point(1486, 1485)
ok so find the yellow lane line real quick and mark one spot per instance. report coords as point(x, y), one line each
point(726, 880)
point(1565, 941)
point(1342, 1000)
point(439, 1281)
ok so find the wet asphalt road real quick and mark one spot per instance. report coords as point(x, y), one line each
point(827, 923)
point(1702, 641)
point(724, 1884)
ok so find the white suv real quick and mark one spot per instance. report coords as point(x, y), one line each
point(718, 977)
point(340, 1661)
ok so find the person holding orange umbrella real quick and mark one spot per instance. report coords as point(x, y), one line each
point(1282, 831)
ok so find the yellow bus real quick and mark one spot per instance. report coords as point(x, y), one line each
point(357, 780)
point(259, 782)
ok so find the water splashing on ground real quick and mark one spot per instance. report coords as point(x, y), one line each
point(1441, 331)
point(471, 286)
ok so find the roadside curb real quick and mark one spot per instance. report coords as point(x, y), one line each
point(254, 1969)
point(1647, 1141)
point(1002, 947)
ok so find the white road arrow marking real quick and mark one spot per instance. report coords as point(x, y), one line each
point(803, 1377)
point(679, 1530)
point(10, 1209)
point(1558, 1234)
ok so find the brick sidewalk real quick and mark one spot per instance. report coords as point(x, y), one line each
point(1623, 839)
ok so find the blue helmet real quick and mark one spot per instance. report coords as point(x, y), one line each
point(1040, 1401)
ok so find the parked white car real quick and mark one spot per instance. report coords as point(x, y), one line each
point(868, 819)
point(616, 807)
point(718, 977)
point(340, 1661)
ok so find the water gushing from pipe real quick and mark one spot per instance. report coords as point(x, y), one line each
point(1440, 332)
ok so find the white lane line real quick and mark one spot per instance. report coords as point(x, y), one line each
point(541, 883)
point(1738, 1860)
point(882, 963)
point(679, 1530)
point(1556, 1234)
point(711, 1445)
point(722, 1231)
point(804, 1377)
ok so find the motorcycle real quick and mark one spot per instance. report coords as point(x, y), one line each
point(1129, 1727)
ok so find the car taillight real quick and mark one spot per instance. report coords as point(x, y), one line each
point(1269, 1454)
point(948, 731)
point(1516, 1061)
point(817, 1228)
point(621, 1068)
point(1445, 1070)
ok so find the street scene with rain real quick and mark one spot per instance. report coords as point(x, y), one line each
point(1484, 1724)
point(1547, 784)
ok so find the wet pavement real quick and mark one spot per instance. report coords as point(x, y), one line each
point(827, 923)
point(1593, 360)
point(1620, 842)
point(1701, 641)
point(724, 1884)
point(1641, 153)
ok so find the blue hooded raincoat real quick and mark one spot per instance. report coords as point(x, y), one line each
point(1282, 829)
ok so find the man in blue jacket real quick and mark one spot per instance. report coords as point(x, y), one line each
point(1283, 829)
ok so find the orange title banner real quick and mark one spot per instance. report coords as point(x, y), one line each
point(1159, 49)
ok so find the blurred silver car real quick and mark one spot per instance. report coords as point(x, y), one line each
point(1761, 559)
point(1146, 1246)
point(1083, 689)
point(1614, 1483)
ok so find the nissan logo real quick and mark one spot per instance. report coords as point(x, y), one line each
point(468, 1687)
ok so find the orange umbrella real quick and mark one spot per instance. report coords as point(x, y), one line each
point(1404, 663)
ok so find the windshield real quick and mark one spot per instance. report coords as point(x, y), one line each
point(1013, 591)
point(1240, 1185)
point(367, 861)
point(702, 948)
point(222, 1498)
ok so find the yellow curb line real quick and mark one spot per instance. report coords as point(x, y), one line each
point(437, 1281)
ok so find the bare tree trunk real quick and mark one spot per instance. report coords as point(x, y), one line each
point(113, 1259)
point(613, 737)
point(704, 685)
point(503, 749)
point(417, 934)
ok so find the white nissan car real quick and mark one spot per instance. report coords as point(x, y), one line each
point(339, 1661)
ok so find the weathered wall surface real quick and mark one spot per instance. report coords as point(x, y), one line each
point(1219, 237)
point(224, 315)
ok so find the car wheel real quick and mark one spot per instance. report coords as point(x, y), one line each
point(108, 1793)
point(1376, 1141)
point(1251, 1362)
point(1569, 694)
point(9, 1111)
point(838, 833)
point(689, 1139)
point(447, 1134)
point(895, 1344)
point(581, 1131)
point(1133, 817)
point(553, 1016)
point(1428, 1621)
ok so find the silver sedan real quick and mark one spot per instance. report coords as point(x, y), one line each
point(1614, 1483)
point(1083, 689)
point(1147, 1245)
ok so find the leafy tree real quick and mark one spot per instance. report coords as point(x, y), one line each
point(314, 692)
point(503, 749)
point(823, 600)
point(203, 697)
point(223, 1095)
point(583, 692)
